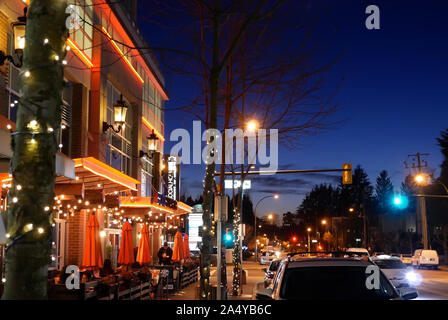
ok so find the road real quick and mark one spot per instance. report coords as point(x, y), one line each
point(434, 285)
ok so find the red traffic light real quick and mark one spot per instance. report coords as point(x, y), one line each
point(293, 238)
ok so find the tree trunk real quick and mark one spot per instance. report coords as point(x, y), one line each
point(34, 144)
point(236, 255)
point(205, 292)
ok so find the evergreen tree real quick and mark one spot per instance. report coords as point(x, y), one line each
point(443, 143)
point(384, 192)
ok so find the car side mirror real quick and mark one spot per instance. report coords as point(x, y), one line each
point(408, 293)
point(271, 275)
point(264, 294)
point(264, 270)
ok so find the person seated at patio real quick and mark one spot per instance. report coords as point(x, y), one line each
point(165, 253)
point(107, 269)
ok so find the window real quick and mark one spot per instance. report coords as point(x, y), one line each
point(83, 35)
point(58, 241)
point(118, 150)
point(13, 88)
point(66, 120)
point(152, 105)
point(146, 182)
point(13, 85)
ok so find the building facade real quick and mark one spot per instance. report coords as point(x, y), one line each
point(101, 170)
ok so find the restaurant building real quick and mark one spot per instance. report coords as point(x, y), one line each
point(107, 167)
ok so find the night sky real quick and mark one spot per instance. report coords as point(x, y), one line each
point(393, 97)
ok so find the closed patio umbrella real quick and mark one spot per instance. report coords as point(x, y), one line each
point(178, 250)
point(186, 247)
point(143, 254)
point(126, 254)
point(92, 257)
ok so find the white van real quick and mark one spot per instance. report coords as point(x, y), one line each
point(425, 258)
point(361, 251)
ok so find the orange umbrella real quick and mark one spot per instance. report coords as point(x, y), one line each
point(92, 257)
point(178, 250)
point(186, 247)
point(126, 254)
point(143, 254)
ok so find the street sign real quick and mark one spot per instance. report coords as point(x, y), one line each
point(237, 184)
point(347, 177)
point(221, 203)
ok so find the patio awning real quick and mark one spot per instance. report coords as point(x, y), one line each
point(95, 174)
point(143, 203)
point(182, 208)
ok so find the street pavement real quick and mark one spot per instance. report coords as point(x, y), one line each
point(254, 275)
point(434, 284)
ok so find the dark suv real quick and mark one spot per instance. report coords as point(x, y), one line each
point(328, 277)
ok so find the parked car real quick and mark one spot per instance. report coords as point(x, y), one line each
point(329, 278)
point(406, 258)
point(425, 258)
point(267, 256)
point(269, 273)
point(397, 272)
point(362, 251)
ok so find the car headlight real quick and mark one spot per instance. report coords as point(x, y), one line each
point(277, 253)
point(413, 278)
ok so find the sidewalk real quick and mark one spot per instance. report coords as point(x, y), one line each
point(254, 275)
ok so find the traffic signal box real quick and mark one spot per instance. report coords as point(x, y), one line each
point(347, 176)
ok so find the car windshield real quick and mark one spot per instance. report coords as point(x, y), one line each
point(390, 264)
point(333, 283)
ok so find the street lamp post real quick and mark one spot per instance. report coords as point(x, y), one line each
point(309, 243)
point(420, 179)
point(275, 196)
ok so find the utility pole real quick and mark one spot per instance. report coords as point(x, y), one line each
point(421, 200)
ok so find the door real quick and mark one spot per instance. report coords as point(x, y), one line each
point(58, 244)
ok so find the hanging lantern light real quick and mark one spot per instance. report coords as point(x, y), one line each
point(119, 108)
point(152, 146)
point(152, 141)
point(19, 31)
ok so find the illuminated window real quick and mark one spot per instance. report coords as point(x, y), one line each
point(83, 35)
point(152, 105)
point(118, 150)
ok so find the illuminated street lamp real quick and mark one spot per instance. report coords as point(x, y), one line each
point(351, 210)
point(275, 196)
point(270, 217)
point(252, 126)
point(309, 242)
point(324, 222)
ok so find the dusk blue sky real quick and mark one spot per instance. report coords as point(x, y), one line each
point(393, 98)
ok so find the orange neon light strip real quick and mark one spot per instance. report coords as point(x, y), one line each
point(150, 126)
point(183, 206)
point(142, 202)
point(101, 169)
point(79, 53)
point(122, 55)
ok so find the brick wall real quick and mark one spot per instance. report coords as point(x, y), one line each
point(76, 237)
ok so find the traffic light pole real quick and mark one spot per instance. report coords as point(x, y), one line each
point(219, 254)
point(422, 201)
